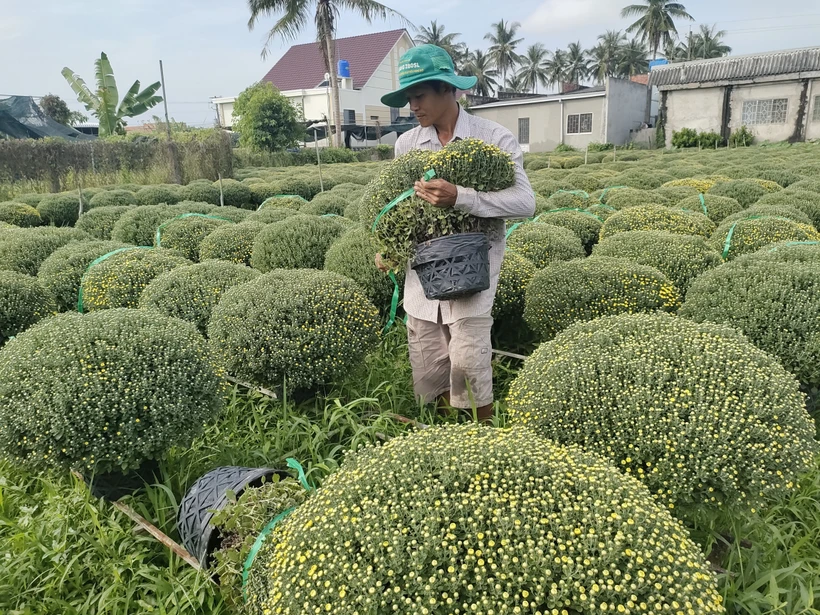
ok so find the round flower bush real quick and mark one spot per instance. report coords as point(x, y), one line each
point(543, 244)
point(59, 209)
point(297, 242)
point(566, 199)
point(681, 258)
point(584, 289)
point(283, 201)
point(105, 392)
point(706, 420)
point(112, 198)
point(138, 226)
point(790, 251)
point(771, 210)
point(352, 210)
point(702, 184)
point(99, 223)
point(624, 198)
point(301, 326)
point(642, 179)
point(780, 177)
point(232, 243)
point(118, 281)
point(191, 292)
point(745, 191)
point(19, 214)
point(602, 210)
point(584, 224)
point(810, 185)
point(299, 185)
point(675, 194)
point(325, 203)
point(23, 301)
point(159, 195)
point(185, 234)
point(468, 519)
point(657, 218)
point(516, 274)
point(61, 272)
point(34, 198)
point(582, 181)
point(352, 256)
point(270, 215)
point(773, 298)
point(233, 214)
point(749, 235)
point(236, 194)
point(200, 192)
point(717, 207)
point(24, 250)
point(768, 186)
point(804, 200)
point(262, 191)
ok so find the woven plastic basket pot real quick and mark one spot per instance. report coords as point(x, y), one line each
point(454, 266)
point(207, 496)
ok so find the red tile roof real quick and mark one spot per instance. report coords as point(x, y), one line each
point(644, 79)
point(302, 66)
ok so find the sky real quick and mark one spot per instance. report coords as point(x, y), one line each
point(207, 49)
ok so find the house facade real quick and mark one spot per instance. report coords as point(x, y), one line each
point(600, 114)
point(775, 95)
point(300, 75)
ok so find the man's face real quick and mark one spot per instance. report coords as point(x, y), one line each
point(427, 104)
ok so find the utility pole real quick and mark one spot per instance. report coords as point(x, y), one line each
point(171, 148)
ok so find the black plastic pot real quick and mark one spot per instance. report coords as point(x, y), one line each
point(454, 266)
point(207, 496)
point(113, 486)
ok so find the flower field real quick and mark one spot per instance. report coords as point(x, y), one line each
point(657, 451)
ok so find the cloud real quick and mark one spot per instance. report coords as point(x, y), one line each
point(553, 16)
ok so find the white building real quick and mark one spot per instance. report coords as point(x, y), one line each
point(776, 95)
point(300, 75)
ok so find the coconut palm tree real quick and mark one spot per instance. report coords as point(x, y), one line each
point(515, 83)
point(708, 43)
point(676, 51)
point(604, 56)
point(434, 35)
point(556, 67)
point(633, 59)
point(532, 70)
point(577, 68)
point(656, 21)
point(295, 15)
point(481, 67)
point(502, 51)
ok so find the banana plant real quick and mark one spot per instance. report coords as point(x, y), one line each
point(104, 103)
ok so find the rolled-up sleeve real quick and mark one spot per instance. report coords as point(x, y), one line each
point(517, 201)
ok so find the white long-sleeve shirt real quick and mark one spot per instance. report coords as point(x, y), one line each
point(517, 201)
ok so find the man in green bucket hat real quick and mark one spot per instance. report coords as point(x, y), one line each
point(449, 341)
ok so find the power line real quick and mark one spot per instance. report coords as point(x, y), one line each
point(767, 18)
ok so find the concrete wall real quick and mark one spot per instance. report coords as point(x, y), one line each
point(767, 132)
point(812, 125)
point(701, 109)
point(626, 109)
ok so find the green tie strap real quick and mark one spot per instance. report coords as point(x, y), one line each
point(703, 205)
point(603, 194)
point(158, 237)
point(517, 224)
point(292, 463)
point(727, 245)
point(96, 261)
point(394, 303)
point(402, 197)
point(796, 243)
point(581, 193)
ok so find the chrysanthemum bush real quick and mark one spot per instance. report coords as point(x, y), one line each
point(325, 203)
point(657, 218)
point(717, 207)
point(768, 186)
point(269, 215)
point(624, 198)
point(191, 292)
point(105, 392)
point(19, 214)
point(585, 289)
point(567, 199)
point(99, 223)
point(232, 243)
point(203, 192)
point(23, 302)
point(60, 209)
point(771, 210)
point(703, 184)
point(353, 256)
point(579, 180)
point(118, 281)
point(774, 299)
point(749, 235)
point(159, 195)
point(24, 250)
point(516, 274)
point(61, 272)
point(707, 421)
point(112, 198)
point(745, 191)
point(298, 242)
point(602, 210)
point(583, 223)
point(804, 200)
point(297, 328)
point(138, 226)
point(681, 258)
point(294, 202)
point(642, 179)
point(186, 233)
point(675, 194)
point(236, 194)
point(810, 185)
point(469, 163)
point(543, 243)
point(466, 519)
point(234, 214)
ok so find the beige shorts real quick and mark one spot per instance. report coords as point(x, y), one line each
point(455, 358)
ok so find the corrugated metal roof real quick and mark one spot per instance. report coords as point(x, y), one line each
point(737, 68)
point(597, 90)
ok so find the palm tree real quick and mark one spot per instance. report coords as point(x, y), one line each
point(532, 70)
point(434, 35)
point(577, 68)
point(633, 59)
point(707, 43)
point(481, 67)
point(603, 57)
point(502, 51)
point(676, 51)
point(515, 83)
point(295, 15)
point(556, 67)
point(656, 21)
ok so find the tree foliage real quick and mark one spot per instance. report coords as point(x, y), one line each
point(267, 120)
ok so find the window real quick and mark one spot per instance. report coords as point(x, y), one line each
point(815, 117)
point(394, 114)
point(523, 130)
point(770, 111)
point(579, 123)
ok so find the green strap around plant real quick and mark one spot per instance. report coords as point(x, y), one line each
point(603, 194)
point(260, 540)
point(796, 243)
point(402, 197)
point(282, 196)
point(517, 224)
point(331, 216)
point(703, 205)
point(394, 303)
point(727, 245)
point(96, 261)
point(581, 193)
point(158, 237)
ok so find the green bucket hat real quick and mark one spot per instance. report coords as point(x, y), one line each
point(421, 64)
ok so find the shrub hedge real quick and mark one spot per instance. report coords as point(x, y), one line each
point(24, 250)
point(23, 302)
point(232, 243)
point(201, 192)
point(161, 194)
point(59, 209)
point(99, 223)
point(19, 214)
point(236, 194)
point(139, 225)
point(297, 242)
point(112, 198)
point(184, 235)
point(543, 244)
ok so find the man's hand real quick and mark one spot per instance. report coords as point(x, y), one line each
point(380, 264)
point(437, 192)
